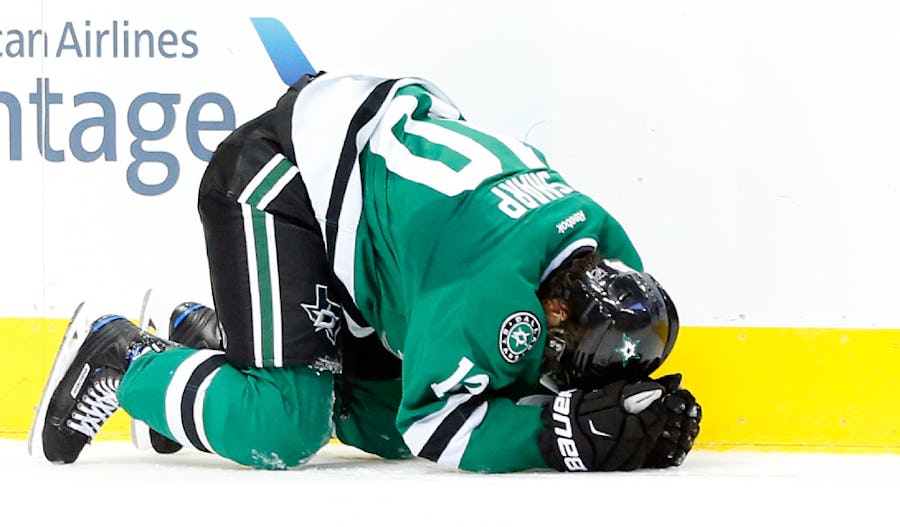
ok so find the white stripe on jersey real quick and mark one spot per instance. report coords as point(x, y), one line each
point(565, 253)
point(417, 435)
point(453, 454)
point(322, 113)
point(321, 117)
point(345, 242)
point(175, 393)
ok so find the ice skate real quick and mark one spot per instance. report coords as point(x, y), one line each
point(80, 395)
point(190, 324)
point(195, 326)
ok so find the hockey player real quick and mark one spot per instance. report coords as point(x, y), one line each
point(363, 220)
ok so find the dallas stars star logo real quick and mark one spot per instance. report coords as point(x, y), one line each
point(518, 334)
point(628, 349)
point(324, 314)
point(521, 336)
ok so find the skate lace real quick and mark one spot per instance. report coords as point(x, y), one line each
point(96, 406)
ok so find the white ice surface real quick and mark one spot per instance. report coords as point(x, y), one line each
point(114, 484)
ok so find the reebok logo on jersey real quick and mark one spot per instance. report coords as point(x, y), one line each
point(518, 333)
point(570, 222)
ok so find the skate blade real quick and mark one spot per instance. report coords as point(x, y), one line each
point(140, 435)
point(155, 314)
point(77, 330)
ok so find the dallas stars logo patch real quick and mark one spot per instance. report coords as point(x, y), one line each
point(518, 333)
point(628, 349)
point(324, 314)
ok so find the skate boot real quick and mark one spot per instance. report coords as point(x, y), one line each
point(195, 326)
point(192, 325)
point(80, 395)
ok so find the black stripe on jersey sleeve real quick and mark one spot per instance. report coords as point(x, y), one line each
point(189, 397)
point(445, 431)
point(347, 160)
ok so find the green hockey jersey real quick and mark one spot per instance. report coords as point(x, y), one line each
point(441, 233)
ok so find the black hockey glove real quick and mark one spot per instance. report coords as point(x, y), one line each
point(612, 428)
point(682, 424)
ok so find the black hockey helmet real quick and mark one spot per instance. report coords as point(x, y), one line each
point(621, 326)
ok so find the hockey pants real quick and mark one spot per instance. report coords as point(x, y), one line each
point(272, 418)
